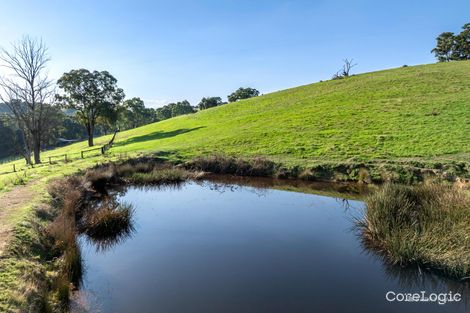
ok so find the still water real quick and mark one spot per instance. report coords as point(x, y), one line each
point(212, 247)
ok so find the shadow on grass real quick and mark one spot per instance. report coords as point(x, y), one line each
point(156, 135)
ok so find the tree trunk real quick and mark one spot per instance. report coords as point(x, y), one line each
point(89, 130)
point(27, 156)
point(37, 150)
point(37, 156)
point(24, 148)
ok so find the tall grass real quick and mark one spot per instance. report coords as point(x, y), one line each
point(109, 223)
point(220, 164)
point(160, 176)
point(428, 225)
point(63, 230)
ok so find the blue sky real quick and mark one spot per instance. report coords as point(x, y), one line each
point(164, 51)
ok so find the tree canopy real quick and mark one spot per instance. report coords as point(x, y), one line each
point(209, 102)
point(135, 114)
point(242, 93)
point(451, 47)
point(174, 109)
point(93, 95)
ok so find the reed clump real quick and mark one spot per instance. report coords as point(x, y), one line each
point(108, 223)
point(427, 225)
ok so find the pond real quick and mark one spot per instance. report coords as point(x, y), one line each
point(248, 246)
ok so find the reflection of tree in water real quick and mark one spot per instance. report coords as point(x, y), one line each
point(222, 187)
point(344, 203)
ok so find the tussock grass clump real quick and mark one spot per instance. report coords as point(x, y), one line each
point(101, 178)
point(109, 223)
point(219, 164)
point(160, 176)
point(428, 225)
point(138, 165)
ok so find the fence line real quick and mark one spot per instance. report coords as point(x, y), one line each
point(66, 157)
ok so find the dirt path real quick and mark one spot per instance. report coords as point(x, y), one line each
point(11, 201)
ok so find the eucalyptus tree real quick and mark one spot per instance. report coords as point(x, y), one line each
point(174, 109)
point(209, 102)
point(453, 47)
point(92, 95)
point(242, 93)
point(135, 113)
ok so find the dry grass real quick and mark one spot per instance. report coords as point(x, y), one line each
point(220, 164)
point(160, 176)
point(109, 223)
point(428, 225)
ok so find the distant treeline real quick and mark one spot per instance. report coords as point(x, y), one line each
point(34, 116)
point(66, 126)
point(184, 107)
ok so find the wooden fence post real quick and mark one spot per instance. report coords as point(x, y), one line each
point(81, 153)
point(50, 161)
point(14, 168)
point(66, 158)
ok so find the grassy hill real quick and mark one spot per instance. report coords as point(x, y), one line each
point(419, 112)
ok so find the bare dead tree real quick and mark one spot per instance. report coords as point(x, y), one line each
point(347, 66)
point(26, 89)
point(344, 72)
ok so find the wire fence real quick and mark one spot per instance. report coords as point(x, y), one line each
point(55, 159)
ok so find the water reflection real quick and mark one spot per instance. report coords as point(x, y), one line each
point(263, 184)
point(413, 277)
point(238, 245)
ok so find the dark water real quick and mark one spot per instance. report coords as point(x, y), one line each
point(215, 248)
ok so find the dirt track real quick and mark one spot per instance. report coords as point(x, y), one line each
point(11, 201)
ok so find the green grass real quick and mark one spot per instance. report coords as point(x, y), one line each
point(418, 112)
point(26, 268)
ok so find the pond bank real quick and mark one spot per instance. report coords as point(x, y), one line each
point(377, 172)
